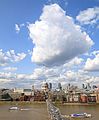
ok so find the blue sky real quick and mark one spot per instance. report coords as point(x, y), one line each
point(21, 41)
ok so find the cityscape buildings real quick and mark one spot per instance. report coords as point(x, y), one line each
point(71, 94)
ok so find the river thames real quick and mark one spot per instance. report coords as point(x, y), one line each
point(39, 111)
point(92, 109)
point(32, 112)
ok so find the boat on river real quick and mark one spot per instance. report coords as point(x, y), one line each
point(80, 115)
point(14, 108)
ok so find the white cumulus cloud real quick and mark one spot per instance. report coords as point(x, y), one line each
point(3, 59)
point(53, 75)
point(74, 62)
point(15, 57)
point(89, 16)
point(56, 37)
point(92, 64)
point(10, 57)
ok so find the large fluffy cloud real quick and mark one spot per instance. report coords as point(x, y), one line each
point(89, 16)
point(56, 37)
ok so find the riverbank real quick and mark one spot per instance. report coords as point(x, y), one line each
point(21, 102)
point(42, 102)
point(76, 104)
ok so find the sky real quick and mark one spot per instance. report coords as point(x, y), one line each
point(49, 40)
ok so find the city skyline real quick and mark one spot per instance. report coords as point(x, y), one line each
point(49, 40)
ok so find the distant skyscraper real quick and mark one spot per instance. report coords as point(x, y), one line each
point(89, 87)
point(59, 86)
point(94, 86)
point(50, 86)
point(69, 84)
point(83, 86)
point(33, 87)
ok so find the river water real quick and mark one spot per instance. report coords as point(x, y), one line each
point(39, 111)
point(92, 109)
point(30, 112)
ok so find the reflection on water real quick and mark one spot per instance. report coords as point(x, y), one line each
point(69, 109)
point(34, 112)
